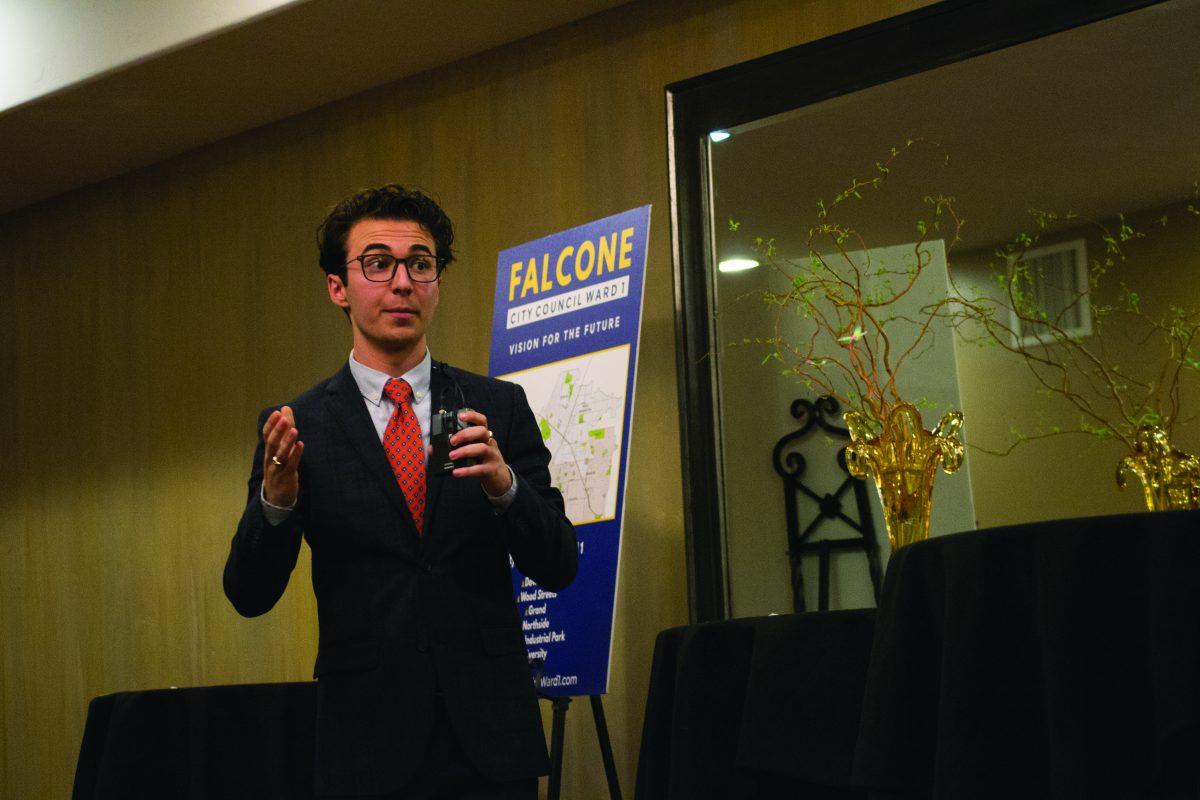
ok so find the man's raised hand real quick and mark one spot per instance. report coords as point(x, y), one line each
point(282, 449)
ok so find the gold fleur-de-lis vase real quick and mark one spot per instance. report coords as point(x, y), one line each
point(902, 457)
point(1170, 477)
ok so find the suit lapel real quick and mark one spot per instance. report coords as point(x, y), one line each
point(346, 405)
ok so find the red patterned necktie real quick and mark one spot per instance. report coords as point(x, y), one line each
point(405, 451)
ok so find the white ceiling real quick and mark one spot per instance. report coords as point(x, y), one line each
point(47, 46)
point(234, 65)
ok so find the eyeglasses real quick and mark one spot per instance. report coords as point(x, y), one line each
point(381, 267)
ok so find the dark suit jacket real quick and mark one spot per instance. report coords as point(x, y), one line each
point(403, 616)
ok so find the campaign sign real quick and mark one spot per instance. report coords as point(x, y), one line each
point(565, 327)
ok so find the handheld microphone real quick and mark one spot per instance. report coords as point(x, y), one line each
point(444, 423)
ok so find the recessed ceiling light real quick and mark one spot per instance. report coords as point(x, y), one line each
point(719, 136)
point(737, 264)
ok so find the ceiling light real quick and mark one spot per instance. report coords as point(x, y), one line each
point(737, 264)
point(719, 136)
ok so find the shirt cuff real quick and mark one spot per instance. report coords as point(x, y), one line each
point(500, 504)
point(273, 513)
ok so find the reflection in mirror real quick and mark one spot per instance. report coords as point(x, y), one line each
point(1099, 122)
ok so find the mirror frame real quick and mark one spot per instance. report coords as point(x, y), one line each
point(893, 48)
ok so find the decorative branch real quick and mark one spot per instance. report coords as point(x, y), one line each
point(854, 342)
point(847, 301)
point(1114, 402)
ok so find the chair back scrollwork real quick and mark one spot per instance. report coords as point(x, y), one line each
point(791, 464)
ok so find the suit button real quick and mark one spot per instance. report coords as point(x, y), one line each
point(426, 567)
point(423, 647)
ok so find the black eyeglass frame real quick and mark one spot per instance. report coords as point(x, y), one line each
point(439, 266)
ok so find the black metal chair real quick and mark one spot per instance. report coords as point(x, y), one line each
point(791, 464)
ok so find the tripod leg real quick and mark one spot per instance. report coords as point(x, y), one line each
point(556, 745)
point(610, 767)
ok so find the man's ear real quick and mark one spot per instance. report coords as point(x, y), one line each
point(337, 291)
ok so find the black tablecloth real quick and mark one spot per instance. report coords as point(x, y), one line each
point(755, 708)
point(225, 742)
point(1055, 660)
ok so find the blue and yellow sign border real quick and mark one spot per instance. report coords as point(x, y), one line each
point(570, 297)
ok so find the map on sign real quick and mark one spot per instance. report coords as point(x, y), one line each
point(579, 404)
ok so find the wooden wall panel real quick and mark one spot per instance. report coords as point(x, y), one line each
point(147, 319)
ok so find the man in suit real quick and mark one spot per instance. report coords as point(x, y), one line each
point(424, 690)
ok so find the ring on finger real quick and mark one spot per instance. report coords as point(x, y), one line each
point(275, 460)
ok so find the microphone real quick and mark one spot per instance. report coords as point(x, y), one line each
point(444, 423)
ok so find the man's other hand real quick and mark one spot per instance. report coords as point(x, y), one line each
point(281, 459)
point(477, 442)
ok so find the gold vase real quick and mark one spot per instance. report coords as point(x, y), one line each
point(903, 458)
point(1170, 477)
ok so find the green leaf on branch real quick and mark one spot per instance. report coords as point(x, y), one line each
point(1102, 432)
point(853, 336)
point(1149, 417)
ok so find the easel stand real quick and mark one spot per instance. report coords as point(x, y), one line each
point(561, 704)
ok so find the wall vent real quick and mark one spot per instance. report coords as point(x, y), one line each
point(1056, 283)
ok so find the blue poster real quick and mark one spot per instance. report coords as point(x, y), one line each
point(565, 327)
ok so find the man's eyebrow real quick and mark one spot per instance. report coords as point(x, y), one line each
point(419, 248)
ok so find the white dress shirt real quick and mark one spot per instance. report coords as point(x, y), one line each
point(370, 384)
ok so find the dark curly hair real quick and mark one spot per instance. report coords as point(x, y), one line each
point(392, 201)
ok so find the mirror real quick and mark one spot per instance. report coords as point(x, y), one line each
point(1097, 119)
